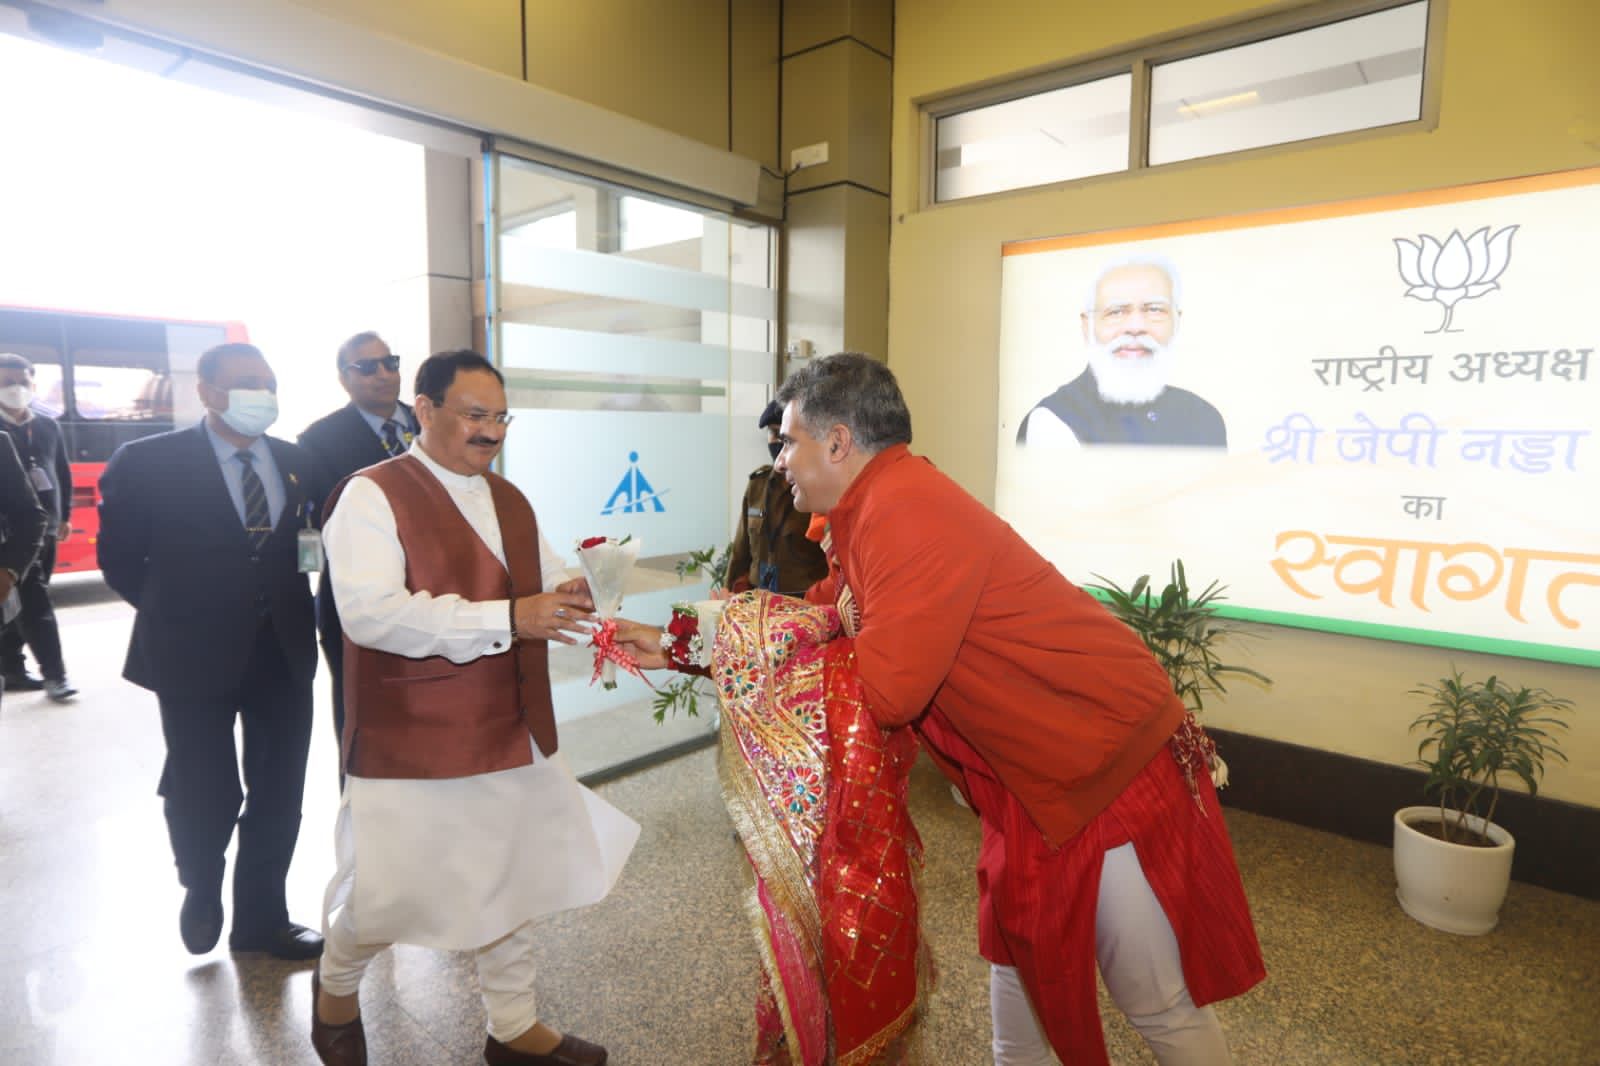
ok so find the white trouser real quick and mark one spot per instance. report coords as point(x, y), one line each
point(505, 973)
point(1140, 965)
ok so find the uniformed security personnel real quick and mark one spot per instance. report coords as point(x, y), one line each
point(770, 548)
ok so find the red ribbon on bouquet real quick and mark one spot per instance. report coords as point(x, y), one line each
point(604, 643)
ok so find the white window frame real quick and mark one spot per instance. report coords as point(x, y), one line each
point(1140, 57)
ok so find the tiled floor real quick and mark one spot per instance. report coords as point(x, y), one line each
point(91, 970)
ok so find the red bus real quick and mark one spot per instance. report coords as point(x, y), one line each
point(108, 379)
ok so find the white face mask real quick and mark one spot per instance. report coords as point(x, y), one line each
point(250, 411)
point(16, 397)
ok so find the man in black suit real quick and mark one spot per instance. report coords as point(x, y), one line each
point(22, 526)
point(198, 530)
point(372, 427)
point(43, 452)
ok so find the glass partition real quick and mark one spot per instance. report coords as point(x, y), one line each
point(637, 339)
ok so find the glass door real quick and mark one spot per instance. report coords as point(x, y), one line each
point(637, 338)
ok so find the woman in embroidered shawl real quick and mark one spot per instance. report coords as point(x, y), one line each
point(818, 792)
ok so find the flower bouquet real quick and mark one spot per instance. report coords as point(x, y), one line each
point(606, 562)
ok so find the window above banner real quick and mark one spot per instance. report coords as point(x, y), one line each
point(1328, 70)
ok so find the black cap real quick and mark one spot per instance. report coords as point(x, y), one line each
point(772, 416)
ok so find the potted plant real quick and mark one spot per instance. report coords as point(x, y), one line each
point(1184, 632)
point(1452, 863)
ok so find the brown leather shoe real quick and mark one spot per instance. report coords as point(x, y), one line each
point(570, 1052)
point(336, 1045)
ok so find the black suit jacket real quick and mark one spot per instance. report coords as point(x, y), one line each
point(340, 443)
point(23, 517)
point(172, 545)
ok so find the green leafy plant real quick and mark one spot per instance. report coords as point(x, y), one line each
point(684, 693)
point(710, 561)
point(1181, 629)
point(1474, 731)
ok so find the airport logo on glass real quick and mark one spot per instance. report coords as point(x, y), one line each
point(634, 493)
point(1454, 269)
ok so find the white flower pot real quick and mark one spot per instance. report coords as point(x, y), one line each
point(1455, 888)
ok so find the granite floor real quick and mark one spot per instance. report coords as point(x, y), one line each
point(92, 971)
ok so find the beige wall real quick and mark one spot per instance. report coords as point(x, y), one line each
point(487, 33)
point(665, 63)
point(705, 69)
point(1520, 95)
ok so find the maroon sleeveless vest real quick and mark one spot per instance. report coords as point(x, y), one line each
point(433, 718)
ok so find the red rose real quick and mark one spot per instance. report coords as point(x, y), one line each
point(683, 626)
point(592, 541)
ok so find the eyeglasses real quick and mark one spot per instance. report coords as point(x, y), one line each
point(478, 416)
point(1119, 313)
point(368, 367)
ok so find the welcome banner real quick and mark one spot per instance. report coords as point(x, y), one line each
point(1378, 417)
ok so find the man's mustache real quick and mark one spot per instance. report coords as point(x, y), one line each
point(487, 442)
point(1132, 340)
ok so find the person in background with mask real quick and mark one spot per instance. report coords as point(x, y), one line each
point(199, 531)
point(44, 457)
point(22, 522)
point(770, 547)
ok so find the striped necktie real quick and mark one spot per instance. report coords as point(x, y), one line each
point(257, 518)
point(391, 437)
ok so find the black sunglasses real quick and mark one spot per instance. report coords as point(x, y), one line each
point(368, 367)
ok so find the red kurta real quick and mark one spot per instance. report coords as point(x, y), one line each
point(1054, 720)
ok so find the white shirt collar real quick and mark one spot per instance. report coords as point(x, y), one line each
point(472, 483)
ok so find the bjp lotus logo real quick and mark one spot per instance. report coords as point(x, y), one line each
point(1456, 269)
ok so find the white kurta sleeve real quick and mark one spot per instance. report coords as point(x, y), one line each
point(368, 568)
point(552, 568)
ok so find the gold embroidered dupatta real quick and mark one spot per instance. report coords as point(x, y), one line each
point(818, 793)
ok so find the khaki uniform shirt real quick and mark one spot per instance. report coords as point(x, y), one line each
point(772, 533)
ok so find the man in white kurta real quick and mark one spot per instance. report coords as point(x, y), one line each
point(458, 863)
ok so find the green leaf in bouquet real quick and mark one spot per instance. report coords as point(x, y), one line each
point(683, 693)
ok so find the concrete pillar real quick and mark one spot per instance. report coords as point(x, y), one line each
point(837, 91)
point(427, 308)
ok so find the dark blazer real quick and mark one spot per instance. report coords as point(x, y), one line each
point(39, 443)
point(172, 545)
point(340, 443)
point(23, 517)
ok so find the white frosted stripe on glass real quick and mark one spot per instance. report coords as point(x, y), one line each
point(529, 347)
point(525, 263)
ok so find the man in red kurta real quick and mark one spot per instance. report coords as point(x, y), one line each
point(1052, 718)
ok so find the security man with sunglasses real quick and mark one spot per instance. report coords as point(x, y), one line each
point(375, 425)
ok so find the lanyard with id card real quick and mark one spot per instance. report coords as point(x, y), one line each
point(307, 541)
